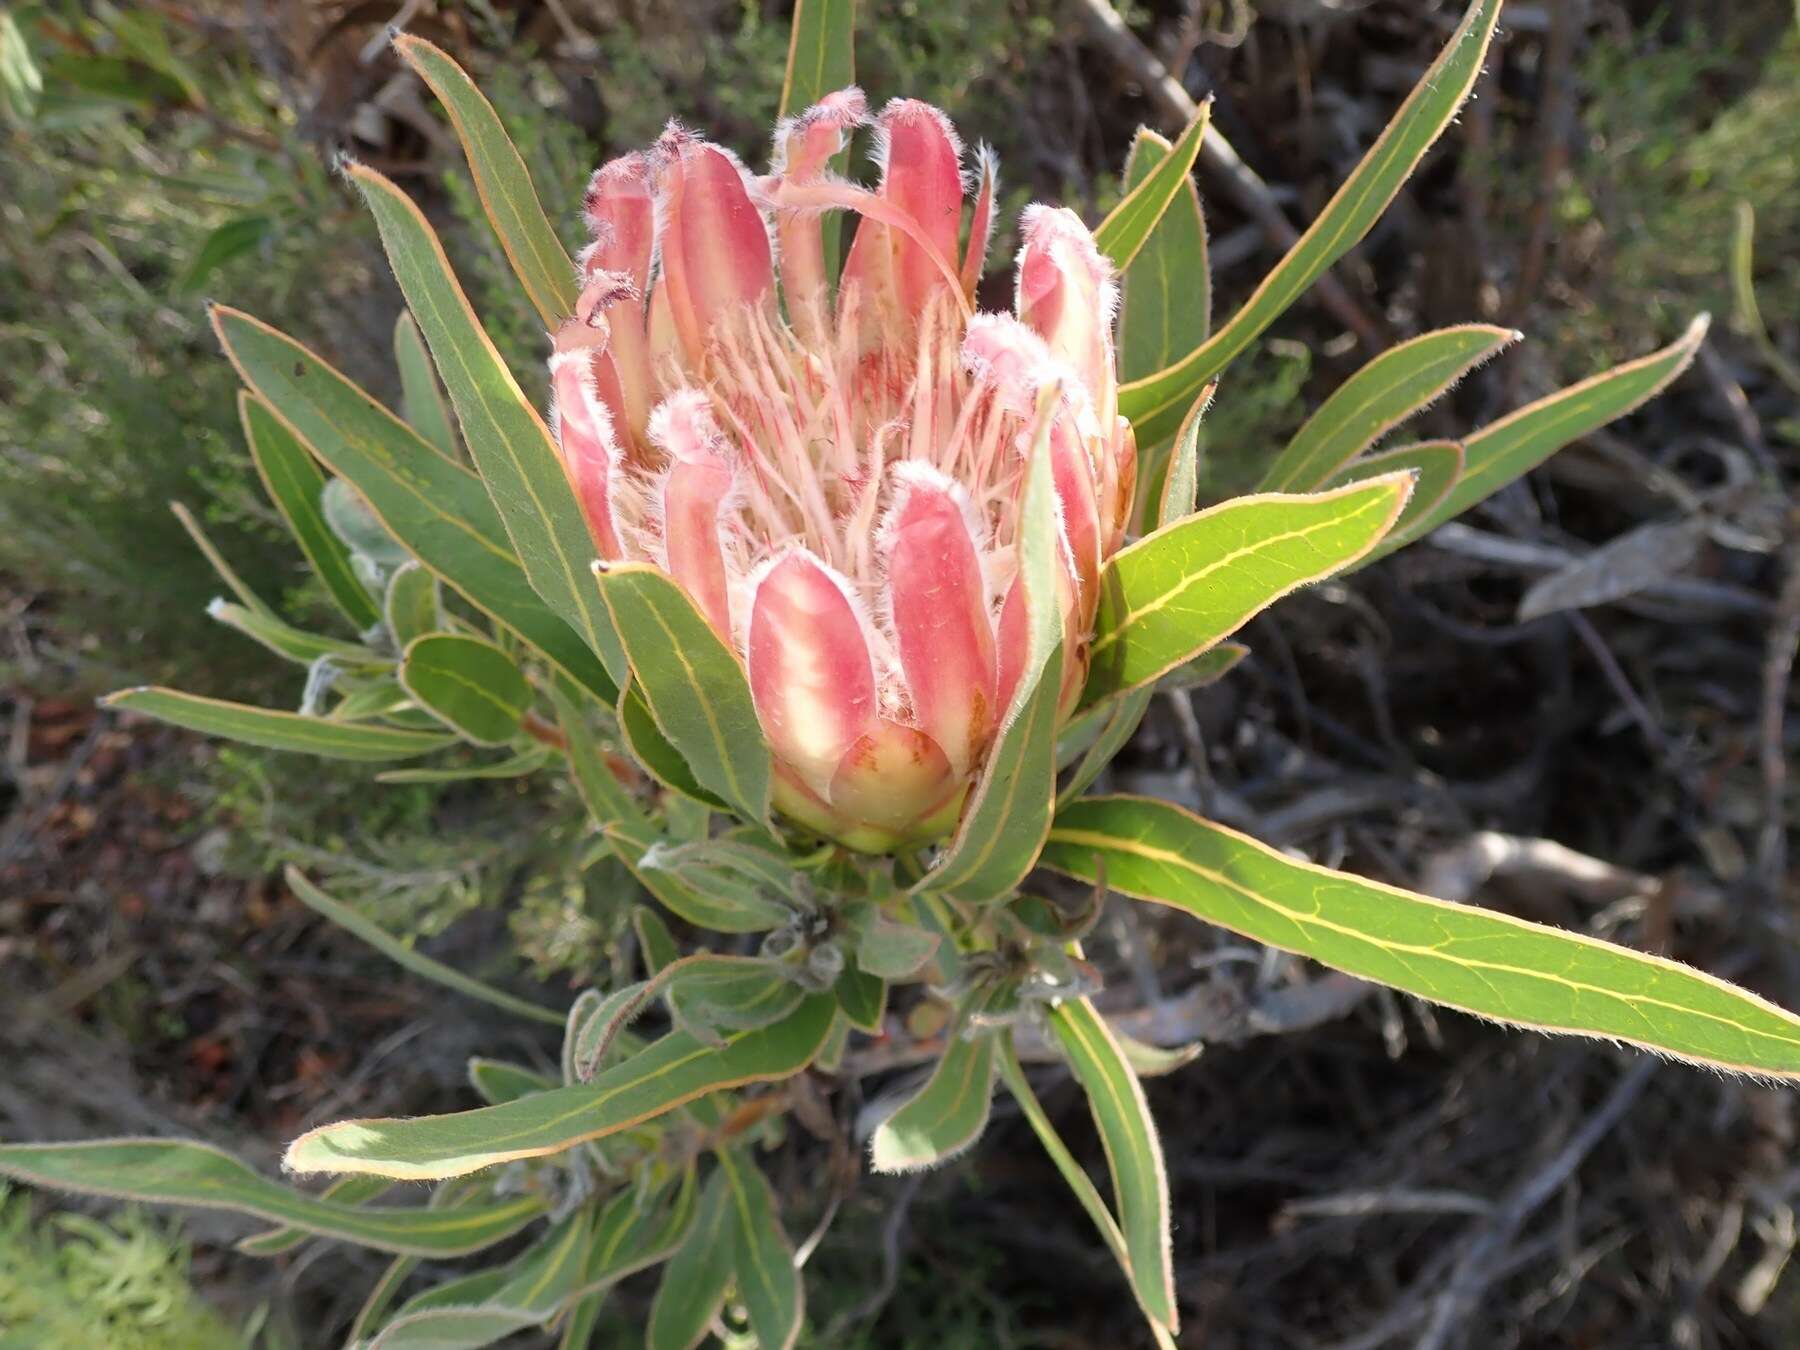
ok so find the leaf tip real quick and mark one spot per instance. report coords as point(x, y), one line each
point(889, 1157)
point(347, 165)
point(332, 1148)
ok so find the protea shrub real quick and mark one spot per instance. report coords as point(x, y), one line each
point(833, 595)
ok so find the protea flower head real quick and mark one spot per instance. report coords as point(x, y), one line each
point(835, 479)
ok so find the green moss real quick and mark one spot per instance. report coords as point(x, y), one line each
point(121, 1283)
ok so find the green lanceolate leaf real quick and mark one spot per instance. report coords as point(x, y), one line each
point(501, 180)
point(349, 516)
point(767, 1279)
point(1520, 441)
point(1126, 711)
point(692, 684)
point(366, 699)
point(1129, 225)
point(734, 911)
point(434, 505)
point(1121, 717)
point(498, 1081)
point(1166, 306)
point(342, 1191)
point(1436, 465)
point(698, 1276)
point(463, 1326)
point(380, 1298)
point(590, 1007)
point(831, 1058)
point(1072, 1172)
point(233, 239)
point(666, 1074)
point(1488, 964)
point(821, 53)
point(1133, 1153)
point(653, 752)
point(946, 1116)
point(404, 956)
point(469, 685)
point(1380, 396)
point(707, 994)
point(1008, 811)
point(412, 607)
point(892, 951)
point(1181, 475)
point(293, 481)
point(521, 765)
point(421, 401)
point(226, 572)
point(1154, 1061)
point(294, 644)
point(463, 1290)
point(1211, 666)
point(1156, 402)
point(475, 1311)
point(656, 944)
point(508, 441)
point(1013, 1073)
point(579, 1326)
point(181, 1172)
point(386, 1289)
point(863, 998)
point(606, 798)
point(276, 730)
point(1170, 596)
point(636, 1232)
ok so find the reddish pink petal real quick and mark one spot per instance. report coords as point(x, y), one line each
point(697, 482)
point(584, 429)
point(1120, 485)
point(1014, 640)
point(923, 177)
point(810, 671)
point(612, 300)
point(893, 777)
point(659, 330)
point(713, 244)
point(804, 147)
point(939, 613)
point(621, 213)
point(981, 224)
point(1000, 351)
point(1074, 479)
point(896, 271)
point(1067, 296)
